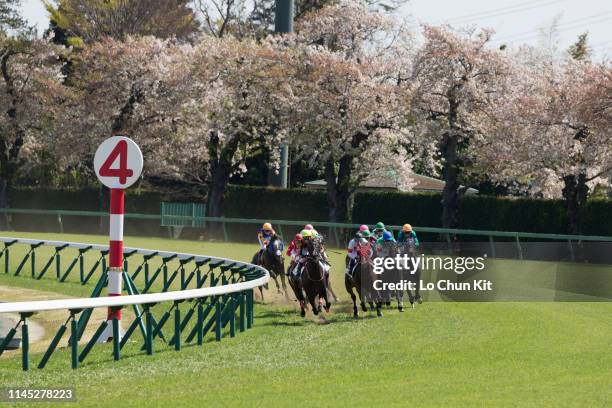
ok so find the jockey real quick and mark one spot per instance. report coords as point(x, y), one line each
point(406, 233)
point(314, 232)
point(294, 247)
point(387, 236)
point(265, 235)
point(379, 230)
point(294, 252)
point(316, 235)
point(354, 246)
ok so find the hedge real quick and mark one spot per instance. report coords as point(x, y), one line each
point(477, 212)
point(275, 203)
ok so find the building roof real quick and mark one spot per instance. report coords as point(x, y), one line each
point(422, 184)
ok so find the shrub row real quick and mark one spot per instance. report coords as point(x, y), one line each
point(476, 212)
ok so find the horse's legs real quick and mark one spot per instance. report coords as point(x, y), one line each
point(261, 291)
point(283, 283)
point(278, 287)
point(326, 299)
point(361, 299)
point(312, 299)
point(302, 310)
point(378, 309)
point(400, 300)
point(418, 284)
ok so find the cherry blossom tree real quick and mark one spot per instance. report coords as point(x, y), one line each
point(458, 82)
point(131, 88)
point(30, 91)
point(345, 110)
point(555, 138)
point(229, 115)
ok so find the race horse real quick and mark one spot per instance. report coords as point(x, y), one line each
point(389, 249)
point(313, 278)
point(409, 248)
point(272, 259)
point(362, 278)
point(295, 281)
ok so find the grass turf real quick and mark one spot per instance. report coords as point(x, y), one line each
point(441, 354)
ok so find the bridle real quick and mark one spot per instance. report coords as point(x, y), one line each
point(308, 271)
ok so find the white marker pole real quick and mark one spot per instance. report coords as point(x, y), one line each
point(118, 164)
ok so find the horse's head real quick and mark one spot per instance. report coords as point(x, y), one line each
point(277, 246)
point(387, 249)
point(408, 247)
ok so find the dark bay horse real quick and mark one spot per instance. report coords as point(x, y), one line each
point(295, 281)
point(409, 248)
point(389, 249)
point(362, 280)
point(272, 259)
point(313, 277)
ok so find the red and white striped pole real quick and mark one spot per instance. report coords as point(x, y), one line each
point(115, 252)
point(118, 164)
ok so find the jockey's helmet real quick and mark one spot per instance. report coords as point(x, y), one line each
point(387, 236)
point(308, 227)
point(363, 228)
point(306, 233)
point(298, 237)
point(407, 228)
point(267, 227)
point(365, 234)
point(379, 226)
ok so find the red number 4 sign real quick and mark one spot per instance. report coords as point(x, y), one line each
point(118, 162)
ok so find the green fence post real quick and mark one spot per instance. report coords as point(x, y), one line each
point(81, 268)
point(177, 326)
point(58, 264)
point(232, 317)
point(25, 342)
point(116, 340)
point(6, 259)
point(519, 248)
point(149, 333)
point(571, 248)
point(241, 321)
point(492, 244)
point(33, 263)
point(200, 322)
point(225, 236)
point(249, 307)
point(338, 238)
point(74, 339)
point(218, 323)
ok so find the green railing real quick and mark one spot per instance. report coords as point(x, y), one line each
point(334, 227)
point(211, 290)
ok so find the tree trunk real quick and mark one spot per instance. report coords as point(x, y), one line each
point(339, 192)
point(449, 150)
point(4, 203)
point(220, 172)
point(575, 193)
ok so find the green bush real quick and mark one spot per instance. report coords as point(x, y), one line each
point(419, 209)
point(275, 203)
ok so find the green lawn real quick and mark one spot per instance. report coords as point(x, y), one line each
point(440, 354)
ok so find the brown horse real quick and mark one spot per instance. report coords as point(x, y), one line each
point(272, 259)
point(408, 247)
point(295, 282)
point(314, 278)
point(362, 278)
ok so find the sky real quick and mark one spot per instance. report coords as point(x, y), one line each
point(514, 21)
